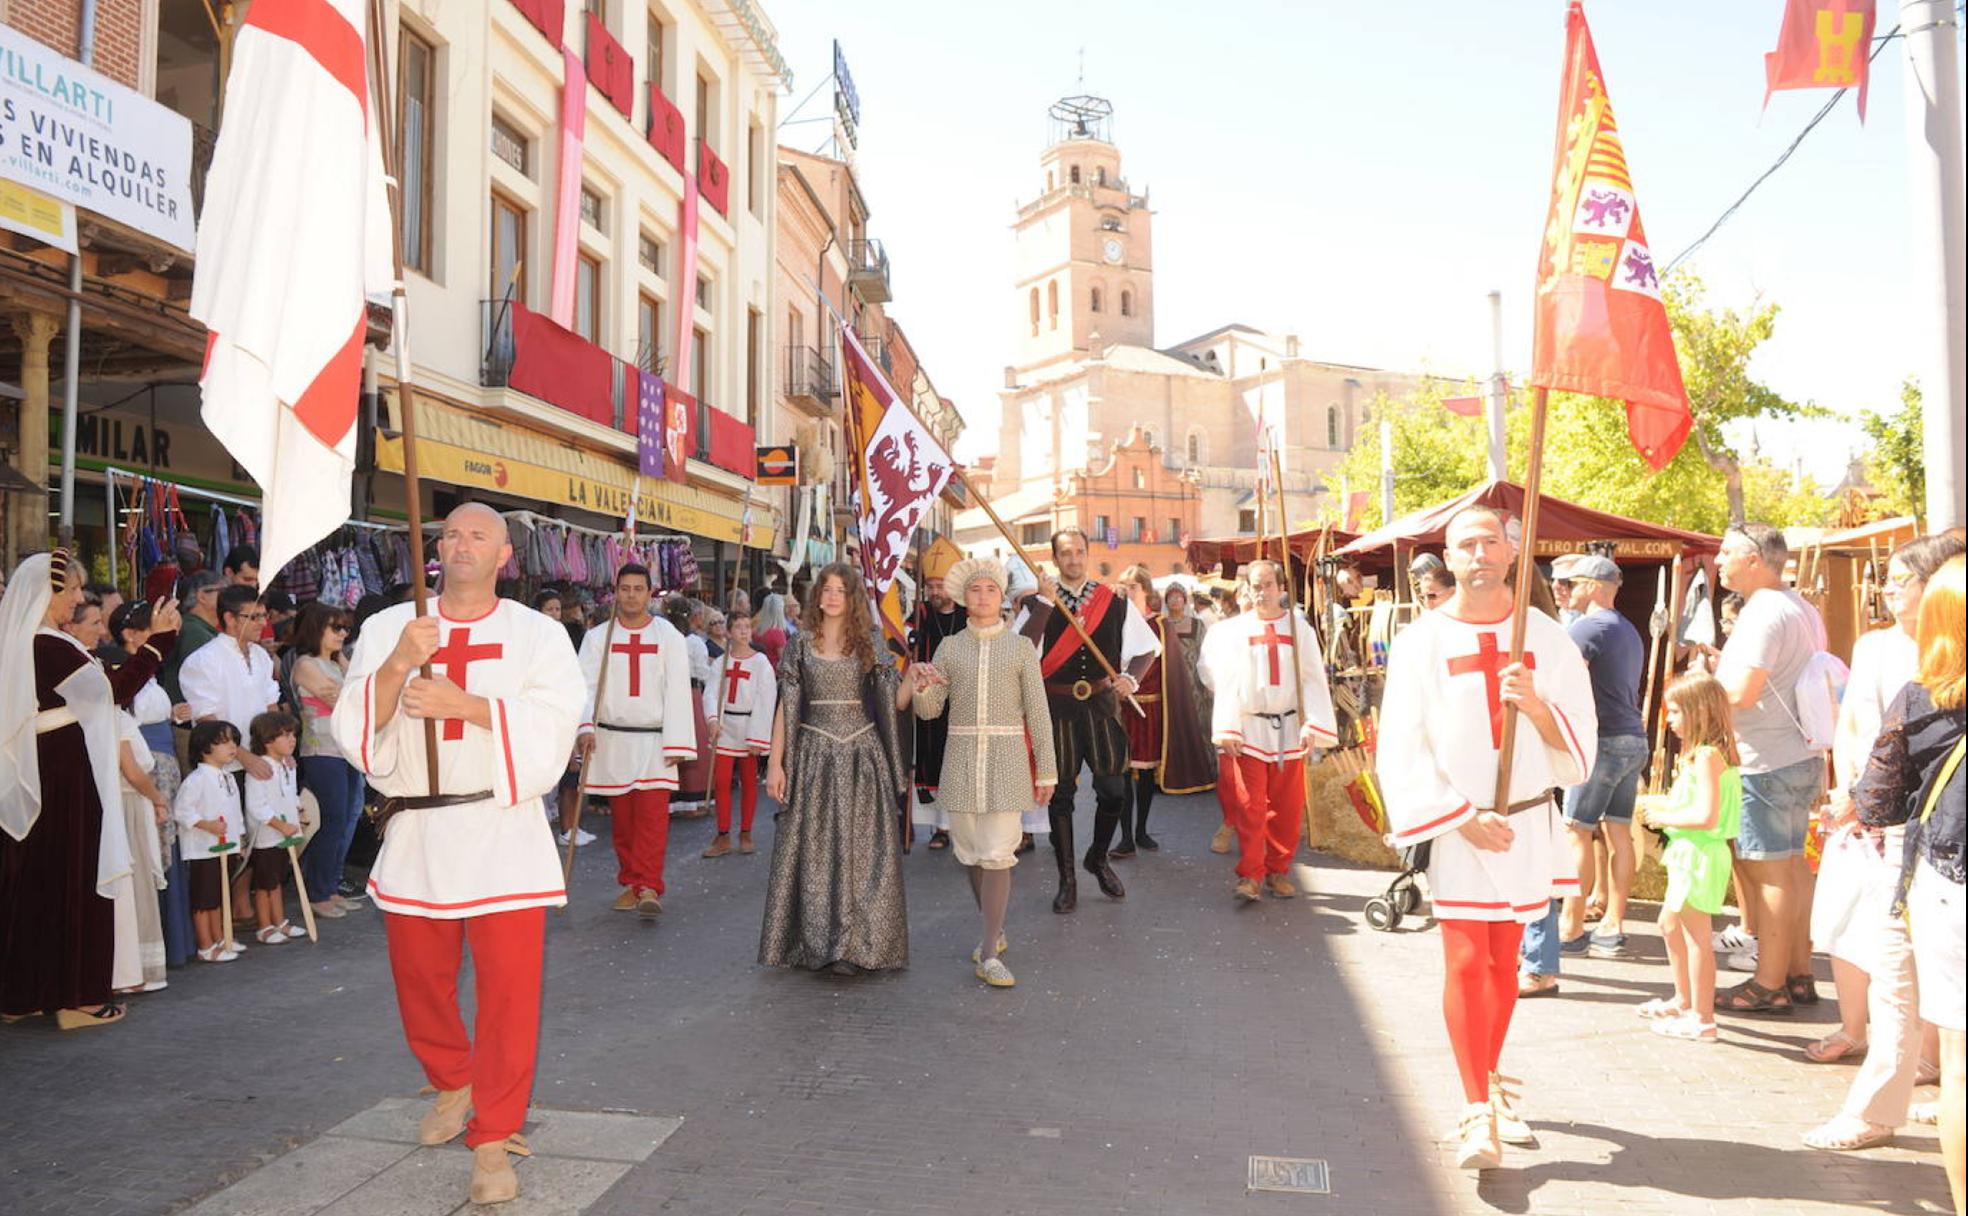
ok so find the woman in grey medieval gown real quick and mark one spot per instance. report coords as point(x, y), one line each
point(834, 899)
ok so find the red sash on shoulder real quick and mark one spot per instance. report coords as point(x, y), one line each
point(1069, 641)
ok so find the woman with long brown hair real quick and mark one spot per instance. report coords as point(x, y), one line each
point(319, 665)
point(834, 899)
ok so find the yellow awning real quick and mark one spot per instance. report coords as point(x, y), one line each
point(468, 449)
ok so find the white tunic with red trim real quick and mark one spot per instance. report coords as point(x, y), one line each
point(741, 696)
point(1249, 661)
point(649, 690)
point(493, 855)
point(1441, 724)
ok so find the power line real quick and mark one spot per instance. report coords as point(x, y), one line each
point(1880, 45)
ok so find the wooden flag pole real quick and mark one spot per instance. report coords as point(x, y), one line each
point(1675, 602)
point(1657, 627)
point(1526, 571)
point(1071, 618)
point(587, 761)
point(406, 396)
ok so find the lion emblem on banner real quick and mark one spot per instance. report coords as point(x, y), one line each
point(902, 481)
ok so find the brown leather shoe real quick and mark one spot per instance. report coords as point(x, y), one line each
point(446, 1117)
point(745, 844)
point(493, 1179)
point(649, 907)
point(1280, 886)
point(720, 846)
point(626, 901)
point(1246, 890)
point(1224, 838)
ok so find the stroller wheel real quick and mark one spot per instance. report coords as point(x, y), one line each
point(1382, 914)
point(1408, 898)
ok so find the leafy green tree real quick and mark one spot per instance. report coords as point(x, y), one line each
point(1896, 466)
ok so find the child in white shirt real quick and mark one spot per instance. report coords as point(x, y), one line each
point(273, 806)
point(208, 815)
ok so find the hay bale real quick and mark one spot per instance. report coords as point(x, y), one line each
point(1336, 829)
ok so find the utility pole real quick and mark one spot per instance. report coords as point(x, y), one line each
point(85, 53)
point(1940, 251)
point(1499, 392)
point(1386, 471)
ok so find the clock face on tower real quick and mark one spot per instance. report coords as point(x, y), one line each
point(1112, 251)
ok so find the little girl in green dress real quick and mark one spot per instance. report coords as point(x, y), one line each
point(1700, 815)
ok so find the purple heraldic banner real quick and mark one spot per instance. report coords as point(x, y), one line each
point(649, 424)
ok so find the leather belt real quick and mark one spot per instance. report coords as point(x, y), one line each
point(1079, 690)
point(390, 808)
point(1147, 698)
point(630, 730)
point(1528, 804)
point(737, 713)
point(1277, 720)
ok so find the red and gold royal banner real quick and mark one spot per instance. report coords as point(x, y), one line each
point(1824, 44)
point(1601, 327)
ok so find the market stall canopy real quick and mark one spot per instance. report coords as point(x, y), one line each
point(1563, 527)
point(1234, 551)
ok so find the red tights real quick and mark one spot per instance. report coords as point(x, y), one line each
point(642, 837)
point(748, 780)
point(1479, 993)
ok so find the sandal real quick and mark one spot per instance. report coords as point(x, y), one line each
point(1531, 986)
point(1803, 989)
point(1688, 1027)
point(1847, 1135)
point(272, 935)
point(939, 839)
point(79, 1019)
point(1753, 999)
point(1595, 910)
point(1833, 1048)
point(1660, 1009)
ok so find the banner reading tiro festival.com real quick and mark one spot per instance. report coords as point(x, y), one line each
point(81, 137)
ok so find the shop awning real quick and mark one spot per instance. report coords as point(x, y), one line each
point(468, 449)
point(1563, 527)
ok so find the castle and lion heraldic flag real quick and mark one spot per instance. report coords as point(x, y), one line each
point(1824, 44)
point(1601, 327)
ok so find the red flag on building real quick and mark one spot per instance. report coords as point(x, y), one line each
point(1824, 44)
point(1601, 327)
point(293, 238)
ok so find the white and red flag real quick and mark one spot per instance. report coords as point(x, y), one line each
point(293, 239)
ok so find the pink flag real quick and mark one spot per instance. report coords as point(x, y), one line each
point(567, 188)
point(686, 285)
point(294, 236)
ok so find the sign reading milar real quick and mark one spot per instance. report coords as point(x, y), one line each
point(81, 137)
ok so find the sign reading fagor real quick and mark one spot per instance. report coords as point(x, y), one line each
point(87, 140)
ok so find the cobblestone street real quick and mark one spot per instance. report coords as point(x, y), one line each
point(1151, 1047)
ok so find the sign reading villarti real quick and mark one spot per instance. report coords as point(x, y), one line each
point(83, 138)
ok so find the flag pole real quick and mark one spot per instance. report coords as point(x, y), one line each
point(970, 488)
point(1291, 623)
point(406, 396)
point(601, 690)
point(1526, 571)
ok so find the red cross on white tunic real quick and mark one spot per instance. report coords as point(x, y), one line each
point(1272, 639)
point(455, 656)
point(735, 676)
point(635, 648)
point(1490, 661)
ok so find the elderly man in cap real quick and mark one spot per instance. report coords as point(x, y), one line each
point(1001, 758)
point(1615, 655)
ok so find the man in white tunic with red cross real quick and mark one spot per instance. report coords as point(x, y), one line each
point(471, 861)
point(1491, 869)
point(634, 739)
point(1263, 724)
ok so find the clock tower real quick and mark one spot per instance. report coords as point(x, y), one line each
point(1082, 250)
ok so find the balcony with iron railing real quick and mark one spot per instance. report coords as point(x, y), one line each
point(810, 377)
point(867, 270)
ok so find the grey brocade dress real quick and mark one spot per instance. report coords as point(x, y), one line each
point(835, 891)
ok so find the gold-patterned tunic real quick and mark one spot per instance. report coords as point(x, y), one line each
point(997, 705)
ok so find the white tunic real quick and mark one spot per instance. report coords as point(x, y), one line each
point(206, 793)
point(220, 681)
point(278, 797)
point(743, 709)
point(648, 689)
point(1249, 665)
point(495, 854)
point(1440, 725)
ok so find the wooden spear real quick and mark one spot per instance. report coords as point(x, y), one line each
point(1526, 571)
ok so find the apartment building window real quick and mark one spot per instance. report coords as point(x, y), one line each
point(598, 7)
point(704, 293)
point(707, 110)
point(587, 298)
point(652, 61)
point(509, 144)
point(591, 209)
point(700, 360)
point(508, 248)
point(1031, 534)
point(416, 138)
point(649, 254)
point(1100, 525)
point(754, 358)
point(649, 333)
point(795, 329)
point(1140, 529)
point(755, 169)
point(1175, 530)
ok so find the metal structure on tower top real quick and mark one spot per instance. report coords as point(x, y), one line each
point(1081, 117)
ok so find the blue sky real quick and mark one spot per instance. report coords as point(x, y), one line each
point(1363, 174)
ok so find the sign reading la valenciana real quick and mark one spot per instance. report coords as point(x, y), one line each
point(78, 135)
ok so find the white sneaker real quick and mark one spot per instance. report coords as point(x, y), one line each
point(1510, 1126)
point(295, 933)
point(1476, 1134)
point(1925, 1113)
point(1731, 939)
point(1742, 960)
point(582, 836)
